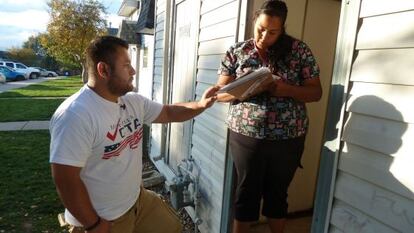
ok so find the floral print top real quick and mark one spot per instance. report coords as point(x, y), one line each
point(264, 116)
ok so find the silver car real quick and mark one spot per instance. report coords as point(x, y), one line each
point(46, 73)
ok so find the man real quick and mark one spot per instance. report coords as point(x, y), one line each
point(96, 147)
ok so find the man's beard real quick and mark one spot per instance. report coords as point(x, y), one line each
point(117, 88)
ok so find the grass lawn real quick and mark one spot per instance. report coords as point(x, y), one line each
point(51, 88)
point(14, 108)
point(27, 109)
point(28, 199)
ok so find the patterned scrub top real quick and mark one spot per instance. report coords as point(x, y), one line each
point(264, 116)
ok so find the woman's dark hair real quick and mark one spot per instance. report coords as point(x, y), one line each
point(273, 8)
point(103, 49)
point(282, 47)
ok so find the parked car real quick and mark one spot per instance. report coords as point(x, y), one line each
point(10, 74)
point(20, 67)
point(2, 78)
point(46, 73)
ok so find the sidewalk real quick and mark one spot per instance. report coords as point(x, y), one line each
point(13, 85)
point(24, 125)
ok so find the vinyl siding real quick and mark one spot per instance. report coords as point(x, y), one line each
point(158, 73)
point(218, 23)
point(378, 129)
point(217, 29)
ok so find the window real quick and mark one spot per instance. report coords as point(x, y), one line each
point(9, 64)
point(21, 66)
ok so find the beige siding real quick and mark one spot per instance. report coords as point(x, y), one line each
point(369, 99)
point(387, 31)
point(380, 66)
point(388, 208)
point(374, 190)
point(378, 7)
point(352, 220)
point(373, 167)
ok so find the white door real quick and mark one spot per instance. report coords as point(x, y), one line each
point(183, 75)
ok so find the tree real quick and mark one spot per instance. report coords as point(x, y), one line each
point(33, 42)
point(73, 24)
point(24, 55)
point(43, 60)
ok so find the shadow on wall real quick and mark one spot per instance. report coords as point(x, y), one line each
point(377, 152)
point(382, 134)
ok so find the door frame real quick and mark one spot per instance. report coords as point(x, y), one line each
point(328, 165)
point(194, 51)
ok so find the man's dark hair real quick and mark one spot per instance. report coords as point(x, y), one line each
point(103, 49)
point(279, 51)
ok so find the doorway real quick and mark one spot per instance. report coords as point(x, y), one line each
point(185, 28)
point(316, 23)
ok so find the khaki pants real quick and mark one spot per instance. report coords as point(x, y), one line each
point(149, 215)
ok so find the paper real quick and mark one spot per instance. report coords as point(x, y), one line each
point(250, 84)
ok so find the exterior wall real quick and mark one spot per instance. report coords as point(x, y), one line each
point(217, 31)
point(374, 187)
point(218, 25)
point(158, 71)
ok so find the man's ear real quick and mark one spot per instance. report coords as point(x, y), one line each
point(103, 69)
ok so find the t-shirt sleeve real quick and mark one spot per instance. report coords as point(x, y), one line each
point(71, 140)
point(152, 110)
point(310, 68)
point(228, 63)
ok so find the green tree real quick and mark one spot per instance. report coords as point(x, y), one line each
point(25, 55)
point(43, 60)
point(73, 24)
point(33, 42)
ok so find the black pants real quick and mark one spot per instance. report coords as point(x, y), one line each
point(264, 169)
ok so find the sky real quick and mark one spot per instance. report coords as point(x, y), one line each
point(20, 19)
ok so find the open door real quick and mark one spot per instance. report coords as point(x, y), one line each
point(316, 23)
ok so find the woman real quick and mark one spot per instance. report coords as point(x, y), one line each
point(267, 131)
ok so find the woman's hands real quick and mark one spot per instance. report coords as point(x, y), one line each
point(310, 91)
point(280, 89)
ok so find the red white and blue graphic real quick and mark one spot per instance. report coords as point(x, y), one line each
point(130, 131)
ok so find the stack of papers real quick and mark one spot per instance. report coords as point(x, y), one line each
point(250, 84)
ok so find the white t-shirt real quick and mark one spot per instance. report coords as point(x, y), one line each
point(105, 139)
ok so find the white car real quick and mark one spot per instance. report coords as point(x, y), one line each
point(20, 67)
point(45, 73)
